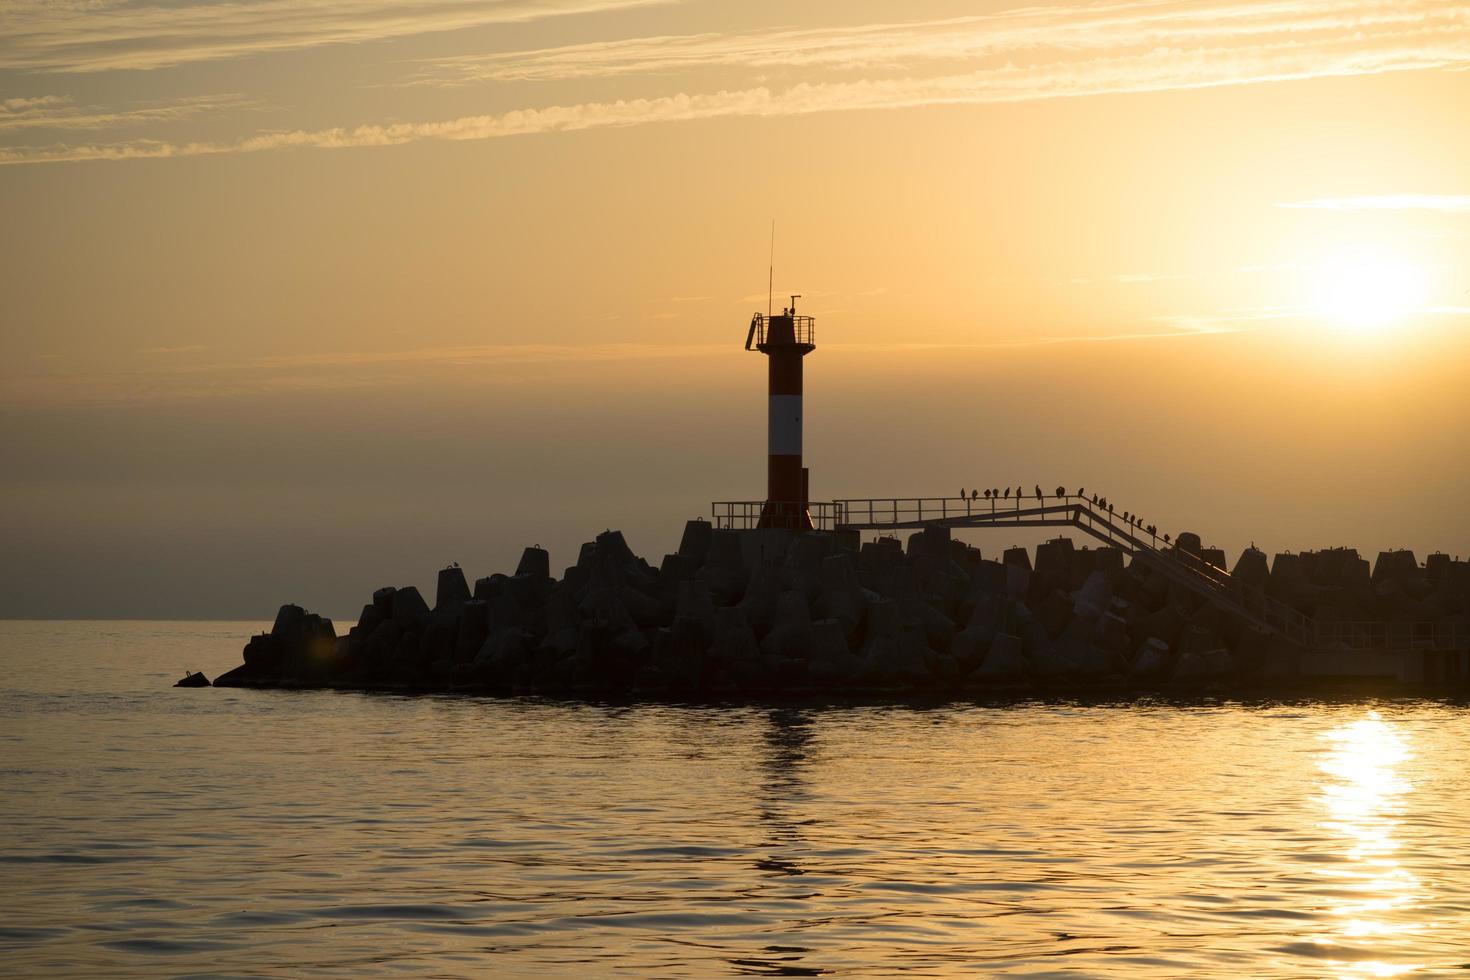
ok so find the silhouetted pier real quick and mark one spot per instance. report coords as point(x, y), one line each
point(1177, 562)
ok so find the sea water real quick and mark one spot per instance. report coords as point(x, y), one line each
point(153, 831)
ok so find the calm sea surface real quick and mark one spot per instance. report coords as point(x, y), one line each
point(148, 831)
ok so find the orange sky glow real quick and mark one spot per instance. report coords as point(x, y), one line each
point(302, 301)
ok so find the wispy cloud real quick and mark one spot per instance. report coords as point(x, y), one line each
point(109, 35)
point(1122, 278)
point(502, 354)
point(153, 375)
point(1179, 328)
point(1387, 202)
point(1021, 33)
point(1154, 50)
point(58, 112)
point(27, 105)
point(1230, 321)
point(163, 378)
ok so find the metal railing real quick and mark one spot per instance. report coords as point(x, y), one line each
point(1393, 636)
point(804, 329)
point(742, 515)
point(1137, 538)
point(1026, 510)
point(876, 512)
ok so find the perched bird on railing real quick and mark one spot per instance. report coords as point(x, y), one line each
point(1038, 492)
point(1094, 498)
point(987, 494)
point(1007, 494)
point(1080, 491)
point(974, 494)
point(1061, 491)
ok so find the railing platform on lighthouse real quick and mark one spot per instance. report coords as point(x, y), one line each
point(803, 330)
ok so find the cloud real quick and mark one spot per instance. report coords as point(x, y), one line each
point(1229, 321)
point(1407, 37)
point(111, 35)
point(1124, 278)
point(171, 379)
point(1180, 327)
point(1020, 33)
point(155, 375)
point(1458, 203)
point(58, 112)
point(27, 105)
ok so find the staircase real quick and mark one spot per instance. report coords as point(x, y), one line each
point(1190, 571)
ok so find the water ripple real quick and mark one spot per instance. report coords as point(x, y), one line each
point(280, 834)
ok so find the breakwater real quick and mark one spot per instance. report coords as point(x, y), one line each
point(820, 614)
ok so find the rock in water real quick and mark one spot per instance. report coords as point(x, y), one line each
point(288, 616)
point(1152, 659)
point(1003, 661)
point(535, 562)
point(831, 613)
point(408, 606)
point(695, 542)
point(452, 591)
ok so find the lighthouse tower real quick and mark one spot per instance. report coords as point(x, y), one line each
point(785, 340)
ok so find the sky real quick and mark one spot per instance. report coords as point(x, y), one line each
point(302, 300)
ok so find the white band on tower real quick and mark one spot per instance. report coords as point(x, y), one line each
point(785, 425)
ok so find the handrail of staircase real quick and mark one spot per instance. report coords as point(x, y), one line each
point(1192, 570)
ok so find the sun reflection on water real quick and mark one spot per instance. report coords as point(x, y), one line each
point(1373, 895)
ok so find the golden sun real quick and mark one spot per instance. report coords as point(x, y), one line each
point(1364, 291)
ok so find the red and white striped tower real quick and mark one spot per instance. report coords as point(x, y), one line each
point(785, 340)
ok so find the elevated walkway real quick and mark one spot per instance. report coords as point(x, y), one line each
point(1190, 571)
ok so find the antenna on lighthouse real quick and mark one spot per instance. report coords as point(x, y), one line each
point(771, 271)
